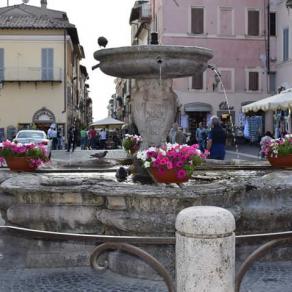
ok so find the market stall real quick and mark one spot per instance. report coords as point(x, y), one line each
point(279, 102)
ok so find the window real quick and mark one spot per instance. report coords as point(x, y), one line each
point(253, 28)
point(253, 81)
point(227, 79)
point(272, 24)
point(197, 81)
point(197, 21)
point(226, 25)
point(285, 44)
point(47, 64)
point(272, 83)
point(1, 64)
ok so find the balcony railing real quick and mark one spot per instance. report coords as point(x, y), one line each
point(31, 74)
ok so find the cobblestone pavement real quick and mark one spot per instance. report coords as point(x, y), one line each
point(73, 280)
point(263, 277)
point(268, 277)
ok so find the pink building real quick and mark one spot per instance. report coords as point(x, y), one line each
point(236, 32)
point(242, 35)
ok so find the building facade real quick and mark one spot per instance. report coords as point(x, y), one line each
point(40, 74)
point(237, 33)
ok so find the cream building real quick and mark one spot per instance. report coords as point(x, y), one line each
point(40, 78)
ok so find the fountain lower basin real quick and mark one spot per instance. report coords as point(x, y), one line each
point(92, 203)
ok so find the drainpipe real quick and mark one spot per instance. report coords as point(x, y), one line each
point(268, 40)
point(65, 72)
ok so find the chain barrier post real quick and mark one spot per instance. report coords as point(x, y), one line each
point(205, 250)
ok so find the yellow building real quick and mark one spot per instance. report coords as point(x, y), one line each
point(40, 76)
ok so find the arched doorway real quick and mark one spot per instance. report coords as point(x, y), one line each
point(43, 119)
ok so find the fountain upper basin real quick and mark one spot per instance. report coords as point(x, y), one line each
point(143, 61)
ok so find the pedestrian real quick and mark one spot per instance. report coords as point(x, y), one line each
point(180, 137)
point(102, 138)
point(59, 138)
point(172, 133)
point(72, 138)
point(83, 139)
point(201, 136)
point(265, 140)
point(216, 140)
point(52, 135)
point(92, 138)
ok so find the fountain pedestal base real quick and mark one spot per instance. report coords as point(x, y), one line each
point(154, 108)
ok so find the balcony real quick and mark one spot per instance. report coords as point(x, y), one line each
point(31, 74)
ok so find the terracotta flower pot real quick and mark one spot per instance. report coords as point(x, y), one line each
point(281, 161)
point(168, 176)
point(20, 164)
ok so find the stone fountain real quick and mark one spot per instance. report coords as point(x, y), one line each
point(153, 67)
point(95, 203)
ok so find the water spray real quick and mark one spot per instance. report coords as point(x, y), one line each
point(218, 74)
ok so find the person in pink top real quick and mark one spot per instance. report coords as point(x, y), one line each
point(92, 138)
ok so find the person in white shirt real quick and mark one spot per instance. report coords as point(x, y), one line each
point(52, 135)
point(102, 138)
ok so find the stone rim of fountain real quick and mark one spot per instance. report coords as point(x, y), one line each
point(145, 61)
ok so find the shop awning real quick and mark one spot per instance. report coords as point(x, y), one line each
point(107, 122)
point(197, 107)
point(281, 101)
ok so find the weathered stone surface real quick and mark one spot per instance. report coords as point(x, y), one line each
point(79, 219)
point(143, 223)
point(154, 108)
point(205, 235)
point(81, 163)
point(116, 203)
point(144, 61)
point(52, 200)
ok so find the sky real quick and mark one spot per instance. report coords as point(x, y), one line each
point(95, 18)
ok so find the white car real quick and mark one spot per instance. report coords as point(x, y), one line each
point(36, 137)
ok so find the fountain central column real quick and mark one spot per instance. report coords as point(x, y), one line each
point(154, 105)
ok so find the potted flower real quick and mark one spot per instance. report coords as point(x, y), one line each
point(23, 157)
point(131, 143)
point(171, 163)
point(279, 151)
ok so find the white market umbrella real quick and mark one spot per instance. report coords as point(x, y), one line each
point(282, 101)
point(107, 122)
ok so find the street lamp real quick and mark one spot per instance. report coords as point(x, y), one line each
point(289, 4)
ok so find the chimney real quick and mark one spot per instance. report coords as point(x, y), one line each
point(44, 4)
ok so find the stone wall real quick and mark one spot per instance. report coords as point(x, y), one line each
point(97, 204)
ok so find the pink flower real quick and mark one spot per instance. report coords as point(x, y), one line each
point(179, 164)
point(181, 173)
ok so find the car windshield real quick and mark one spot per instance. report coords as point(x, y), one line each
point(31, 135)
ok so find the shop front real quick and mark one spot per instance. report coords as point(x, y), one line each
point(198, 112)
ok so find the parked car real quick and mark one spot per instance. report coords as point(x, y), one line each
point(36, 137)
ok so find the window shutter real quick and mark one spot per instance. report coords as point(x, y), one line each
point(226, 21)
point(1, 64)
point(50, 63)
point(197, 20)
point(272, 24)
point(253, 81)
point(253, 23)
point(285, 44)
point(197, 81)
point(47, 64)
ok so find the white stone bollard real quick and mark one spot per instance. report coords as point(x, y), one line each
point(205, 250)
